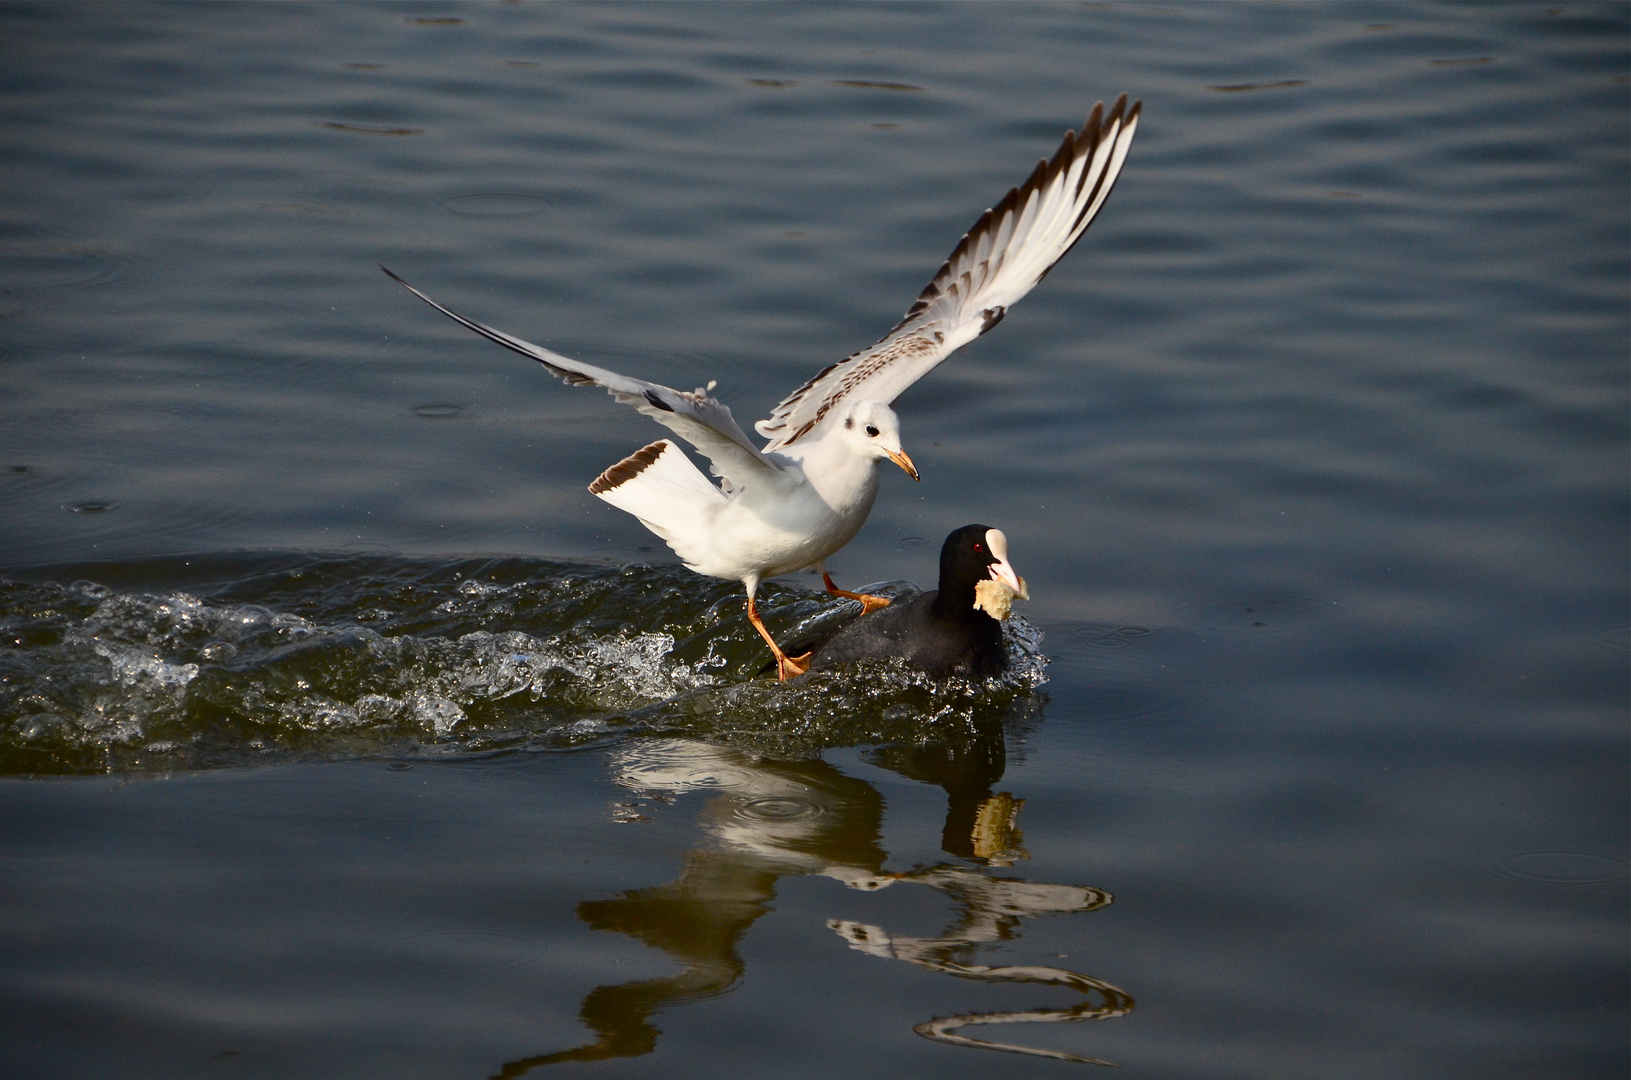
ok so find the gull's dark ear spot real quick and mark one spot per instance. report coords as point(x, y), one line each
point(849, 421)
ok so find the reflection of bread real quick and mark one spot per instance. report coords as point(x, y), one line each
point(996, 837)
point(995, 598)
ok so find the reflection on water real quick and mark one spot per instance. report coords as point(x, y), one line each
point(1335, 406)
point(988, 910)
point(766, 819)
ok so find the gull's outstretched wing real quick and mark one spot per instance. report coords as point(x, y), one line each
point(999, 260)
point(700, 420)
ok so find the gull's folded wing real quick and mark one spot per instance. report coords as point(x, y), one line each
point(999, 260)
point(700, 420)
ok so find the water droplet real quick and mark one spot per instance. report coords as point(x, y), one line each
point(1257, 614)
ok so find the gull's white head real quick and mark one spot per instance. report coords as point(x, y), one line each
point(872, 430)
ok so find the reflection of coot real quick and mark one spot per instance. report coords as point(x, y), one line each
point(979, 825)
point(942, 631)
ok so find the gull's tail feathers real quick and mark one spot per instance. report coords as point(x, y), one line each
point(659, 485)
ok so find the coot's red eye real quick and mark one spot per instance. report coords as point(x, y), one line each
point(977, 547)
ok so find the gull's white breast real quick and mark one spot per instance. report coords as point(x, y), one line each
point(776, 529)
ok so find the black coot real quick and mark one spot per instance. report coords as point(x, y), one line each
point(941, 632)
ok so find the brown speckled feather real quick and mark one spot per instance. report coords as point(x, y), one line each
point(1010, 248)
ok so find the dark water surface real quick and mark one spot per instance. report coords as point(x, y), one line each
point(345, 734)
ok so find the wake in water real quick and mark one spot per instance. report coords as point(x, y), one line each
point(196, 662)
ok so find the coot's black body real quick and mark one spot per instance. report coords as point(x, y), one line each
point(940, 631)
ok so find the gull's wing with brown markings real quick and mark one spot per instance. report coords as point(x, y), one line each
point(999, 260)
point(704, 422)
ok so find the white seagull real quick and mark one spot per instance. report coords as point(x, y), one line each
point(803, 495)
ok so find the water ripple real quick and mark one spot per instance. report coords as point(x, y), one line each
point(1559, 867)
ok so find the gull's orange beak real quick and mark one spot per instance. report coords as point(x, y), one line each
point(899, 458)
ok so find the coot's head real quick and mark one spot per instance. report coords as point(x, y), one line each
point(975, 554)
point(872, 430)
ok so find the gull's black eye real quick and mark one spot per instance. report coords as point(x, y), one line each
point(871, 431)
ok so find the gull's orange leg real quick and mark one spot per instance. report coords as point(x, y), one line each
point(796, 665)
point(869, 603)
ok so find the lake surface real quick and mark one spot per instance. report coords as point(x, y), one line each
point(344, 733)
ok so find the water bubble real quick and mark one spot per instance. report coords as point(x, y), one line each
point(437, 713)
point(39, 725)
point(217, 651)
point(244, 619)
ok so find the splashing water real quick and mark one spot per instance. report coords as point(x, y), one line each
point(238, 661)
